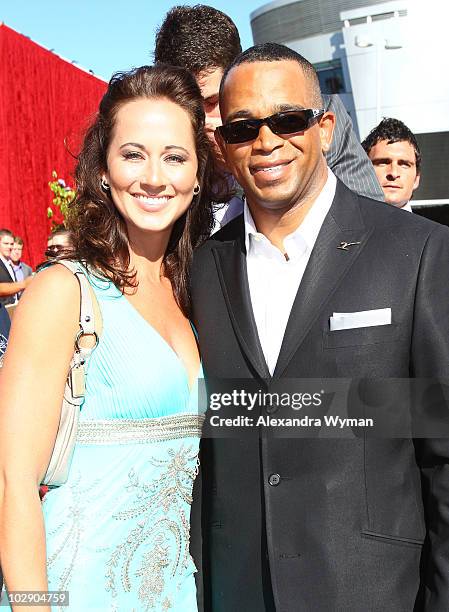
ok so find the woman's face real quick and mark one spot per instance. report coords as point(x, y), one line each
point(152, 164)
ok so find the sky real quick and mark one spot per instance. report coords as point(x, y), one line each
point(107, 35)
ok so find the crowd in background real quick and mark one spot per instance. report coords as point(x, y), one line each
point(16, 275)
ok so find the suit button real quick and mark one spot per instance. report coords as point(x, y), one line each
point(274, 480)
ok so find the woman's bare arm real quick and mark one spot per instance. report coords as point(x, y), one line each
point(31, 389)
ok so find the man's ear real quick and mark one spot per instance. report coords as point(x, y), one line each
point(416, 183)
point(327, 125)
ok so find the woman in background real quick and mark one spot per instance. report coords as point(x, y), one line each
point(117, 532)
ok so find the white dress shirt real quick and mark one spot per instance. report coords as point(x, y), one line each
point(274, 281)
point(9, 266)
point(407, 206)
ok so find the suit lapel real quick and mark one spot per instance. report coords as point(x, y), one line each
point(325, 270)
point(230, 259)
point(5, 272)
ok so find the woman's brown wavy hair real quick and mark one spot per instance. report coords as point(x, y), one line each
point(99, 232)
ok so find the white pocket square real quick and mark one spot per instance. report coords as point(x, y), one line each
point(365, 318)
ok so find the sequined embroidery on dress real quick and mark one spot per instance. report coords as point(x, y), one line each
point(66, 536)
point(158, 521)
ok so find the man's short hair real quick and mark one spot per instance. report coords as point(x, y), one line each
point(199, 38)
point(6, 232)
point(392, 130)
point(60, 232)
point(273, 52)
point(18, 240)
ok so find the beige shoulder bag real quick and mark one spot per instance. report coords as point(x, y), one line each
point(90, 325)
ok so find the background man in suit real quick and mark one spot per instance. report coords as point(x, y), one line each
point(21, 269)
point(205, 41)
point(9, 286)
point(328, 525)
point(7, 279)
point(395, 155)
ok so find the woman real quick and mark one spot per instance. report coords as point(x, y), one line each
point(117, 533)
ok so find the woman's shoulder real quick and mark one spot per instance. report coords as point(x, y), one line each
point(66, 269)
point(56, 274)
point(53, 285)
point(61, 274)
point(52, 299)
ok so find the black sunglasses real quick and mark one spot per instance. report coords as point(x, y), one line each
point(287, 122)
point(54, 250)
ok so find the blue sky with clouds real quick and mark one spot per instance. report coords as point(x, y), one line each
point(106, 35)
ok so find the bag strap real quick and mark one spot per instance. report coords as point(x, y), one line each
point(88, 323)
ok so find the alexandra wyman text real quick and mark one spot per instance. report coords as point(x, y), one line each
point(268, 421)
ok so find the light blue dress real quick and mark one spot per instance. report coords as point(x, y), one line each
point(118, 531)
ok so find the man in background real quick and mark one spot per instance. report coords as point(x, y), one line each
point(395, 155)
point(21, 269)
point(206, 41)
point(9, 286)
point(58, 241)
point(6, 269)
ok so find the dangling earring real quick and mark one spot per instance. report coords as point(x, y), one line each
point(196, 190)
point(104, 184)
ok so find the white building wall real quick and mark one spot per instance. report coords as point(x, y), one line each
point(410, 83)
point(323, 48)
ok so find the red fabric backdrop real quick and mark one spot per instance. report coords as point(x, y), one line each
point(44, 101)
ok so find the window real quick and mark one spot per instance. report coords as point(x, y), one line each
point(330, 76)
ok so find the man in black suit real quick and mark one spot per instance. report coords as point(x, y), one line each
point(9, 286)
point(315, 281)
point(7, 279)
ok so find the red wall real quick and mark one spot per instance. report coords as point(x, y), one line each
point(44, 101)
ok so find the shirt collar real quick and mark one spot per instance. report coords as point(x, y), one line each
point(304, 237)
point(7, 262)
point(407, 206)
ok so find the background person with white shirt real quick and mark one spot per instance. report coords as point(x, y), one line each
point(307, 523)
point(9, 286)
point(395, 155)
point(7, 277)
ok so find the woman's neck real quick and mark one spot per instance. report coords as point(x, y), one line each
point(147, 253)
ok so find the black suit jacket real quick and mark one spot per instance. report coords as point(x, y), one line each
point(352, 525)
point(5, 278)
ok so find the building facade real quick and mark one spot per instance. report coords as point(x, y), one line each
point(385, 59)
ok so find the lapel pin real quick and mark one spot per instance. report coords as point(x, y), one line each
point(344, 245)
